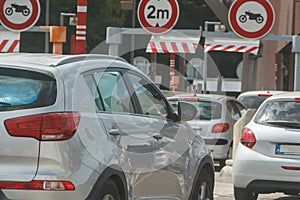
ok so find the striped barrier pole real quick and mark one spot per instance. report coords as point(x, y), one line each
point(172, 71)
point(81, 27)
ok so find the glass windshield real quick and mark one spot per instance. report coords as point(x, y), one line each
point(24, 89)
point(280, 113)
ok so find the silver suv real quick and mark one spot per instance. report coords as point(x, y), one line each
point(93, 127)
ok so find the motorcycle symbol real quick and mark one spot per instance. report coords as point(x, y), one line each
point(18, 8)
point(252, 16)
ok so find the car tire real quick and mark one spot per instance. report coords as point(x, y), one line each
point(109, 191)
point(243, 193)
point(204, 187)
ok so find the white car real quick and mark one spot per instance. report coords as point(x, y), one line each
point(267, 158)
point(253, 99)
point(217, 116)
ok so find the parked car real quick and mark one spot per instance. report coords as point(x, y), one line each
point(217, 115)
point(94, 127)
point(267, 157)
point(253, 99)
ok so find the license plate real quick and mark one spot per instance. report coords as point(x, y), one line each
point(284, 149)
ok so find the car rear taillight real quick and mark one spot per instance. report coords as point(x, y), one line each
point(38, 185)
point(297, 99)
point(291, 168)
point(44, 127)
point(248, 138)
point(220, 128)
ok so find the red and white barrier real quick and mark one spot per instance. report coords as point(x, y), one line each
point(172, 44)
point(231, 45)
point(9, 41)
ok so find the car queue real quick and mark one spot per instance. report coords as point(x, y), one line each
point(105, 131)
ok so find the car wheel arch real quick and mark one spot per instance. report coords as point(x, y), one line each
point(115, 174)
point(208, 165)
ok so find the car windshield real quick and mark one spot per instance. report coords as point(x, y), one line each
point(24, 89)
point(252, 102)
point(280, 113)
point(207, 110)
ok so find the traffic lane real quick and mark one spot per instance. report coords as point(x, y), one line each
point(224, 190)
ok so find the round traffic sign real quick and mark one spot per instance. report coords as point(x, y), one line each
point(158, 17)
point(251, 19)
point(19, 15)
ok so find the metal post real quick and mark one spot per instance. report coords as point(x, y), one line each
point(153, 66)
point(205, 72)
point(114, 39)
point(206, 24)
point(132, 36)
point(296, 50)
point(47, 24)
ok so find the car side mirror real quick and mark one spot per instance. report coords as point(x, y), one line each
point(187, 111)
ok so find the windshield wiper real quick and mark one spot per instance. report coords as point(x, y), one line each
point(287, 124)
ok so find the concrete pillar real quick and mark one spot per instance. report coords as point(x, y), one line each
point(296, 50)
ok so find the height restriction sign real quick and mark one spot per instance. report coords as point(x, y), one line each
point(158, 16)
point(19, 15)
point(251, 19)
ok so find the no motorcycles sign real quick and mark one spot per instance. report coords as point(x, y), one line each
point(251, 19)
point(19, 15)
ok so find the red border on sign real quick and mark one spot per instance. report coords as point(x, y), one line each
point(20, 27)
point(158, 30)
point(246, 34)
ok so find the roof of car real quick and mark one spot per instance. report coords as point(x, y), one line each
point(203, 96)
point(286, 95)
point(260, 92)
point(52, 60)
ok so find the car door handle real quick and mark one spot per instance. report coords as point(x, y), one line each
point(157, 136)
point(114, 132)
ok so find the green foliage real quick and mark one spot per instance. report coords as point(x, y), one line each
point(193, 14)
point(102, 14)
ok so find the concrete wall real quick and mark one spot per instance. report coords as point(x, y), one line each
point(265, 73)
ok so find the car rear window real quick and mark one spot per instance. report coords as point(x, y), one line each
point(207, 110)
point(21, 89)
point(279, 113)
point(252, 102)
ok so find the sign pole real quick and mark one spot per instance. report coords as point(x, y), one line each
point(81, 26)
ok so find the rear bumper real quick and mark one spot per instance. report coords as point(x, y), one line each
point(262, 173)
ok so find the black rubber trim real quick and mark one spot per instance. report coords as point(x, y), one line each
point(265, 186)
point(216, 141)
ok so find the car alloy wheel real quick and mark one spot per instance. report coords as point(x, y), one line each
point(108, 197)
point(204, 192)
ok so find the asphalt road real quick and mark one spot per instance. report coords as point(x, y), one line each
point(224, 191)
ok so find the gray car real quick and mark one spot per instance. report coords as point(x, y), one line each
point(93, 127)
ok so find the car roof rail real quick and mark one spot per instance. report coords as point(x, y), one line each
point(84, 57)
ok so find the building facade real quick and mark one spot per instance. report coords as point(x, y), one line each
point(273, 69)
